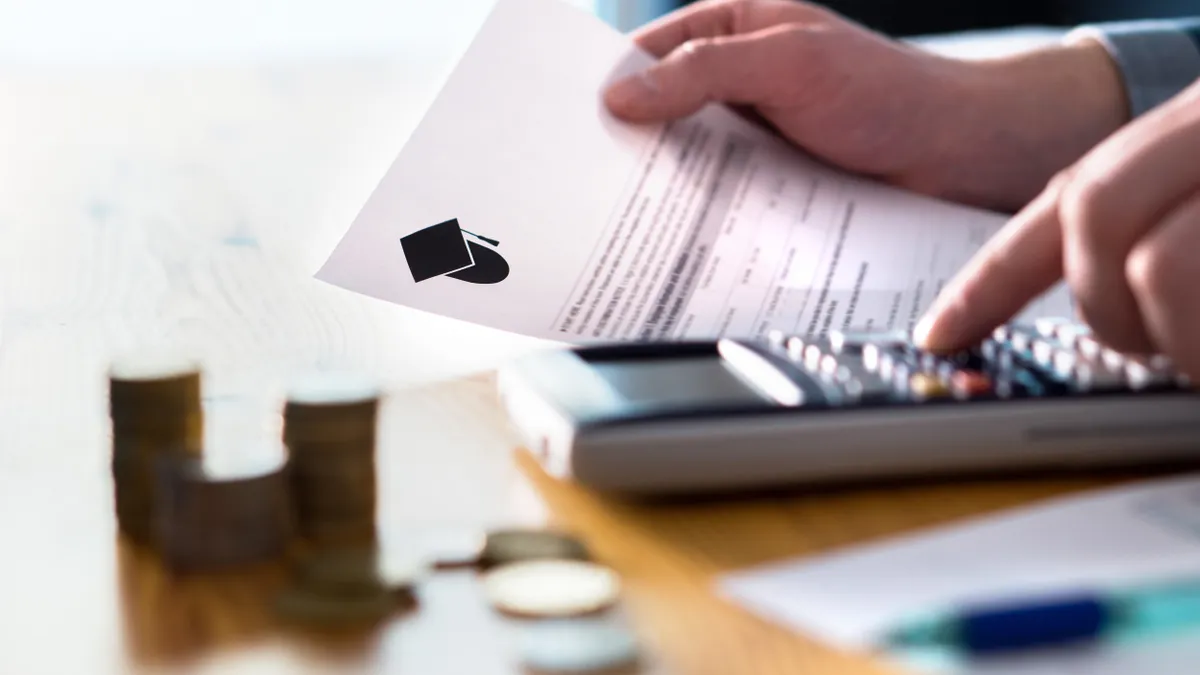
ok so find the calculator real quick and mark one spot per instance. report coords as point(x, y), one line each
point(741, 414)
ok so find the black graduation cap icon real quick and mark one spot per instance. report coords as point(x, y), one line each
point(442, 250)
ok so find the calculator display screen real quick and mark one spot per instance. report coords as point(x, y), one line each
point(677, 382)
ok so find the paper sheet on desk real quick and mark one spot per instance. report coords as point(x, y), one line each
point(1122, 536)
point(521, 204)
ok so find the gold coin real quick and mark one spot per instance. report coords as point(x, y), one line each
point(551, 588)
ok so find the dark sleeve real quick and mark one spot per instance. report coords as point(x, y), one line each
point(1157, 58)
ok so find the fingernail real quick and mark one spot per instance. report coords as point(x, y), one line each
point(922, 330)
point(925, 334)
point(632, 90)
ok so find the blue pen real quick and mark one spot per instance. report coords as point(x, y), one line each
point(1059, 620)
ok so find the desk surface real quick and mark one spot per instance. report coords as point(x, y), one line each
point(189, 203)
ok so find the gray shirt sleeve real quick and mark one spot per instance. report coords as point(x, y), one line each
point(1158, 58)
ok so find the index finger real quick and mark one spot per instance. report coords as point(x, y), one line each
point(716, 18)
point(1020, 263)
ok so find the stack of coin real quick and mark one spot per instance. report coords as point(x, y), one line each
point(330, 422)
point(229, 508)
point(154, 405)
point(348, 587)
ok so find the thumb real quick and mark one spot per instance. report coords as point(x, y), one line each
point(735, 69)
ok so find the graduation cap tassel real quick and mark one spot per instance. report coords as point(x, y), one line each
point(493, 242)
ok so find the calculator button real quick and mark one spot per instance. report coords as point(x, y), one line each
point(1160, 362)
point(861, 386)
point(1140, 375)
point(995, 357)
point(1049, 327)
point(828, 365)
point(1090, 376)
point(1018, 384)
point(928, 363)
point(990, 349)
point(1089, 347)
point(776, 338)
point(1069, 336)
point(1064, 363)
point(970, 384)
point(871, 356)
point(926, 386)
point(795, 348)
point(1020, 341)
point(812, 357)
point(947, 369)
point(1043, 353)
point(855, 342)
point(1112, 359)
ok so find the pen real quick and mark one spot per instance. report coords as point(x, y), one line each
point(998, 627)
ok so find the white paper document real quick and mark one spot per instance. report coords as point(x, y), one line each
point(520, 203)
point(1119, 537)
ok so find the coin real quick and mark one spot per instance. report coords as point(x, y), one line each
point(516, 545)
point(551, 588)
point(576, 645)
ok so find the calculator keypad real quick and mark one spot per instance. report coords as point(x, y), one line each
point(1050, 357)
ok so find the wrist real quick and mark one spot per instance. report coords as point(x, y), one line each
point(1030, 115)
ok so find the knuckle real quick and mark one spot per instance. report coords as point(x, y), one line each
point(739, 9)
point(1084, 209)
point(1155, 273)
point(697, 53)
point(739, 12)
point(1059, 182)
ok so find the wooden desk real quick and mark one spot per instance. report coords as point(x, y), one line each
point(189, 205)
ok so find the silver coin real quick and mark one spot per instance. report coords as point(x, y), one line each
point(576, 645)
point(551, 588)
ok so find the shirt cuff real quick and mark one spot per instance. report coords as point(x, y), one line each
point(1157, 58)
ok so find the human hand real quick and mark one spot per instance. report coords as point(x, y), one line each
point(1122, 226)
point(988, 132)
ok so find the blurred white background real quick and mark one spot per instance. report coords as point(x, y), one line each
point(115, 31)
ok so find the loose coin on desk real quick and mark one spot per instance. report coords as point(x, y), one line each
point(576, 645)
point(517, 545)
point(551, 588)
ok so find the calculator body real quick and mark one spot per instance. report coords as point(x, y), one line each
point(734, 415)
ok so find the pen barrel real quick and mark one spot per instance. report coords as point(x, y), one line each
point(1058, 622)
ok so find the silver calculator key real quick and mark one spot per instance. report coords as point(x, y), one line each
point(795, 348)
point(856, 341)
